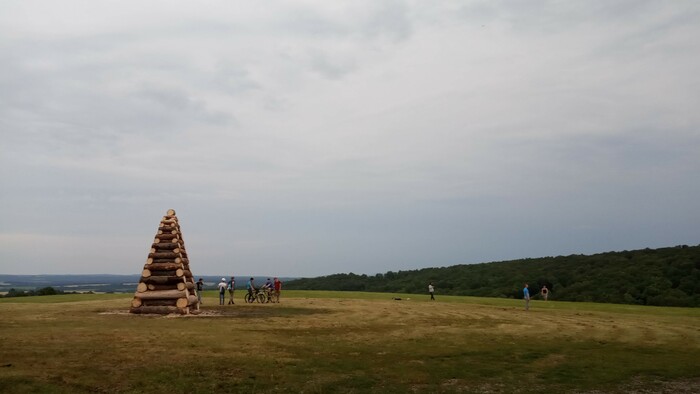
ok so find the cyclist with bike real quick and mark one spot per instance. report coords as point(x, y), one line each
point(268, 287)
point(251, 288)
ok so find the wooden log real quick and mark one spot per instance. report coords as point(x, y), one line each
point(160, 310)
point(147, 273)
point(136, 302)
point(164, 255)
point(171, 212)
point(170, 302)
point(192, 301)
point(182, 302)
point(165, 237)
point(163, 266)
point(162, 279)
point(167, 286)
point(177, 260)
point(162, 294)
point(162, 261)
point(187, 301)
point(165, 246)
point(167, 231)
point(141, 287)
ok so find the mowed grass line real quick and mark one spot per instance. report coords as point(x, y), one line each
point(320, 342)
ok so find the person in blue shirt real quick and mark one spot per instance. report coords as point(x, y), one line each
point(250, 286)
point(526, 296)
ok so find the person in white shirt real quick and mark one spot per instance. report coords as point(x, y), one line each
point(431, 290)
point(222, 291)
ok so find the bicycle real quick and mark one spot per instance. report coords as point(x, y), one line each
point(269, 295)
point(257, 295)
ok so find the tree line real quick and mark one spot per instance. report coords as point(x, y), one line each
point(665, 277)
point(38, 292)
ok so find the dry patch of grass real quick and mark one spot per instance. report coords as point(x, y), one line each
point(316, 342)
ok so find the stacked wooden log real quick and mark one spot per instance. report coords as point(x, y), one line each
point(166, 285)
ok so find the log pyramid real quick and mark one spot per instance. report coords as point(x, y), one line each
point(166, 285)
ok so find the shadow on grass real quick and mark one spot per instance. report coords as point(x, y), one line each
point(229, 312)
point(257, 312)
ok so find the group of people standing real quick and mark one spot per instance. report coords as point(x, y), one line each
point(544, 292)
point(274, 287)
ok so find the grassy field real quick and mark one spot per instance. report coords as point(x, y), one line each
point(327, 342)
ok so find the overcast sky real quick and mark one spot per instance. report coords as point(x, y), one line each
point(305, 138)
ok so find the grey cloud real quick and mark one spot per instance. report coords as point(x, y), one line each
point(332, 68)
point(426, 140)
point(390, 19)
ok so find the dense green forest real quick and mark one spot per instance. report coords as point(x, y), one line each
point(665, 276)
point(30, 293)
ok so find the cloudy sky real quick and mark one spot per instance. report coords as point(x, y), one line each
point(304, 138)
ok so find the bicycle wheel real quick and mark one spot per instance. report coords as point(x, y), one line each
point(249, 298)
point(262, 298)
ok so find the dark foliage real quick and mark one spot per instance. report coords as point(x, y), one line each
point(666, 277)
point(39, 292)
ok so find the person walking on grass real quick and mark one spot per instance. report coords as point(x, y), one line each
point(544, 292)
point(431, 290)
point(200, 289)
point(231, 288)
point(222, 291)
point(526, 297)
point(278, 289)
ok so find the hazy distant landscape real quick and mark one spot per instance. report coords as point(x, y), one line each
point(663, 277)
point(96, 283)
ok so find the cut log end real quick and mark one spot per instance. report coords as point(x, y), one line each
point(182, 302)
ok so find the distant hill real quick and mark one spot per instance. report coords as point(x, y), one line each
point(99, 283)
point(665, 276)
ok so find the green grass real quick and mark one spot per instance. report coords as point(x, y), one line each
point(326, 342)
